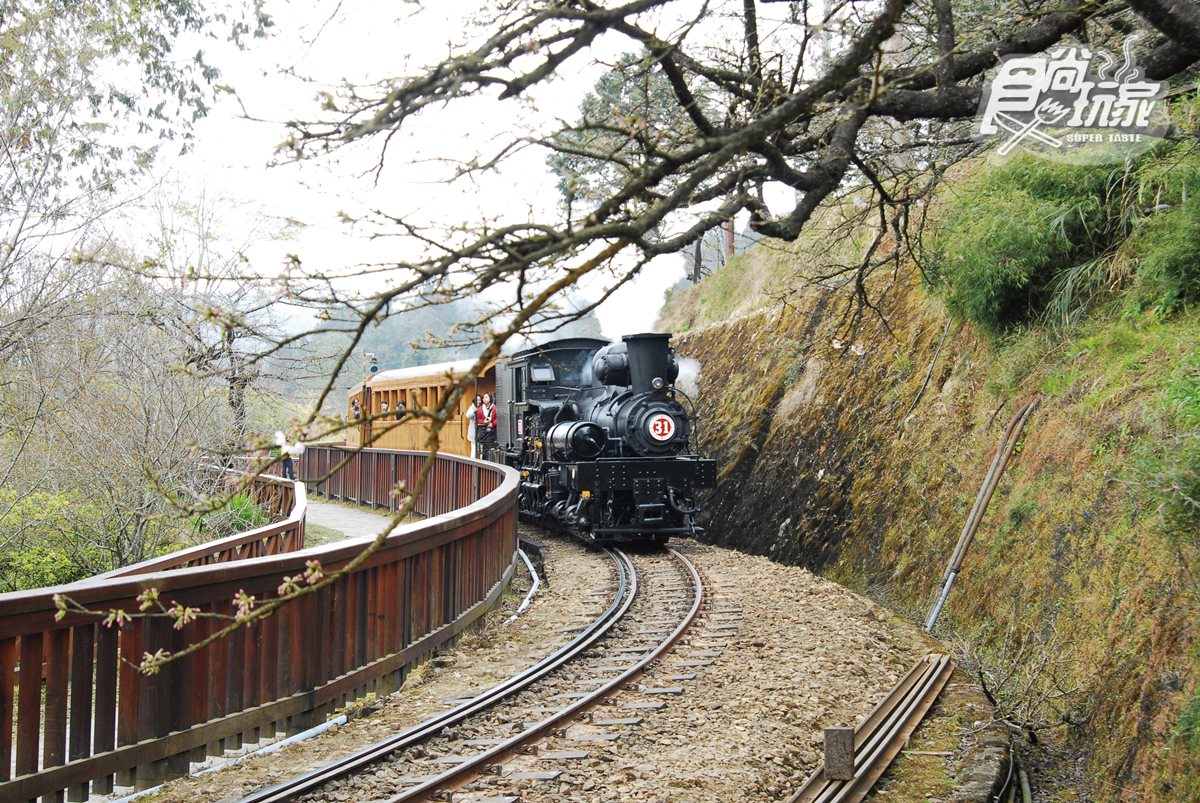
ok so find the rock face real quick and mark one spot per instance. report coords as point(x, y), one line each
point(796, 416)
point(833, 457)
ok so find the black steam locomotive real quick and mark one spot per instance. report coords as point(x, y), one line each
point(601, 439)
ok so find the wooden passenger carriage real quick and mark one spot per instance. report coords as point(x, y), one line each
point(417, 387)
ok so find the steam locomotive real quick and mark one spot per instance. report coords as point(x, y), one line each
point(600, 438)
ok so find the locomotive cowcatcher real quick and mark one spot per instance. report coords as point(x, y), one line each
point(601, 439)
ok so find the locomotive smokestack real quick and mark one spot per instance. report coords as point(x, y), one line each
point(649, 359)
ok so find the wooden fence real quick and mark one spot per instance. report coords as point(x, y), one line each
point(285, 502)
point(76, 717)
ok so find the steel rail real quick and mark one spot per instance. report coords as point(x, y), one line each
point(622, 600)
point(882, 734)
point(890, 740)
point(471, 767)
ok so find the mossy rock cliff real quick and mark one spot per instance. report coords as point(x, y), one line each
point(1076, 582)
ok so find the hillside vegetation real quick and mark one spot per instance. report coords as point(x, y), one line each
point(1072, 285)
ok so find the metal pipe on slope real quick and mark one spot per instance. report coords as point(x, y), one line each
point(1003, 452)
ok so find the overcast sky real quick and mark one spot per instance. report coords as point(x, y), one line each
point(324, 43)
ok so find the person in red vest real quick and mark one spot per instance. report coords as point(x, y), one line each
point(485, 425)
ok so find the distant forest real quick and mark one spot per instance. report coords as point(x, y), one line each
point(426, 335)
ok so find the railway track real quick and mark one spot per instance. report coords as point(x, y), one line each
point(655, 599)
point(882, 734)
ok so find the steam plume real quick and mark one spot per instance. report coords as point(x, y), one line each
point(689, 376)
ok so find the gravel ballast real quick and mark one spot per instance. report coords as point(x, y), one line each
point(778, 655)
point(807, 655)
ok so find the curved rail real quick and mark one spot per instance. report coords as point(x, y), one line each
point(475, 765)
point(99, 722)
point(509, 747)
point(622, 599)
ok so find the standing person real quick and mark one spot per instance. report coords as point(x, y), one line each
point(475, 405)
point(289, 467)
point(355, 410)
point(485, 425)
point(383, 408)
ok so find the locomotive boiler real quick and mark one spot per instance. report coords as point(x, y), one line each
point(602, 439)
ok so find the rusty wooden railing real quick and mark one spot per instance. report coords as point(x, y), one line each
point(280, 499)
point(85, 719)
point(372, 474)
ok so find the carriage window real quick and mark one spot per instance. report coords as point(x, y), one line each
point(541, 373)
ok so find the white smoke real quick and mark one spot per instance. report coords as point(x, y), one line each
point(689, 376)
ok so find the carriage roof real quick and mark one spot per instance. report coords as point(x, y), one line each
point(437, 372)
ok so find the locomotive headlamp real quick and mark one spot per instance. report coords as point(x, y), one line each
point(658, 383)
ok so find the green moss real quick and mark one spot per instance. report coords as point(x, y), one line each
point(319, 535)
point(1113, 340)
point(1188, 727)
point(1181, 394)
point(1166, 471)
point(1021, 511)
point(1024, 353)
